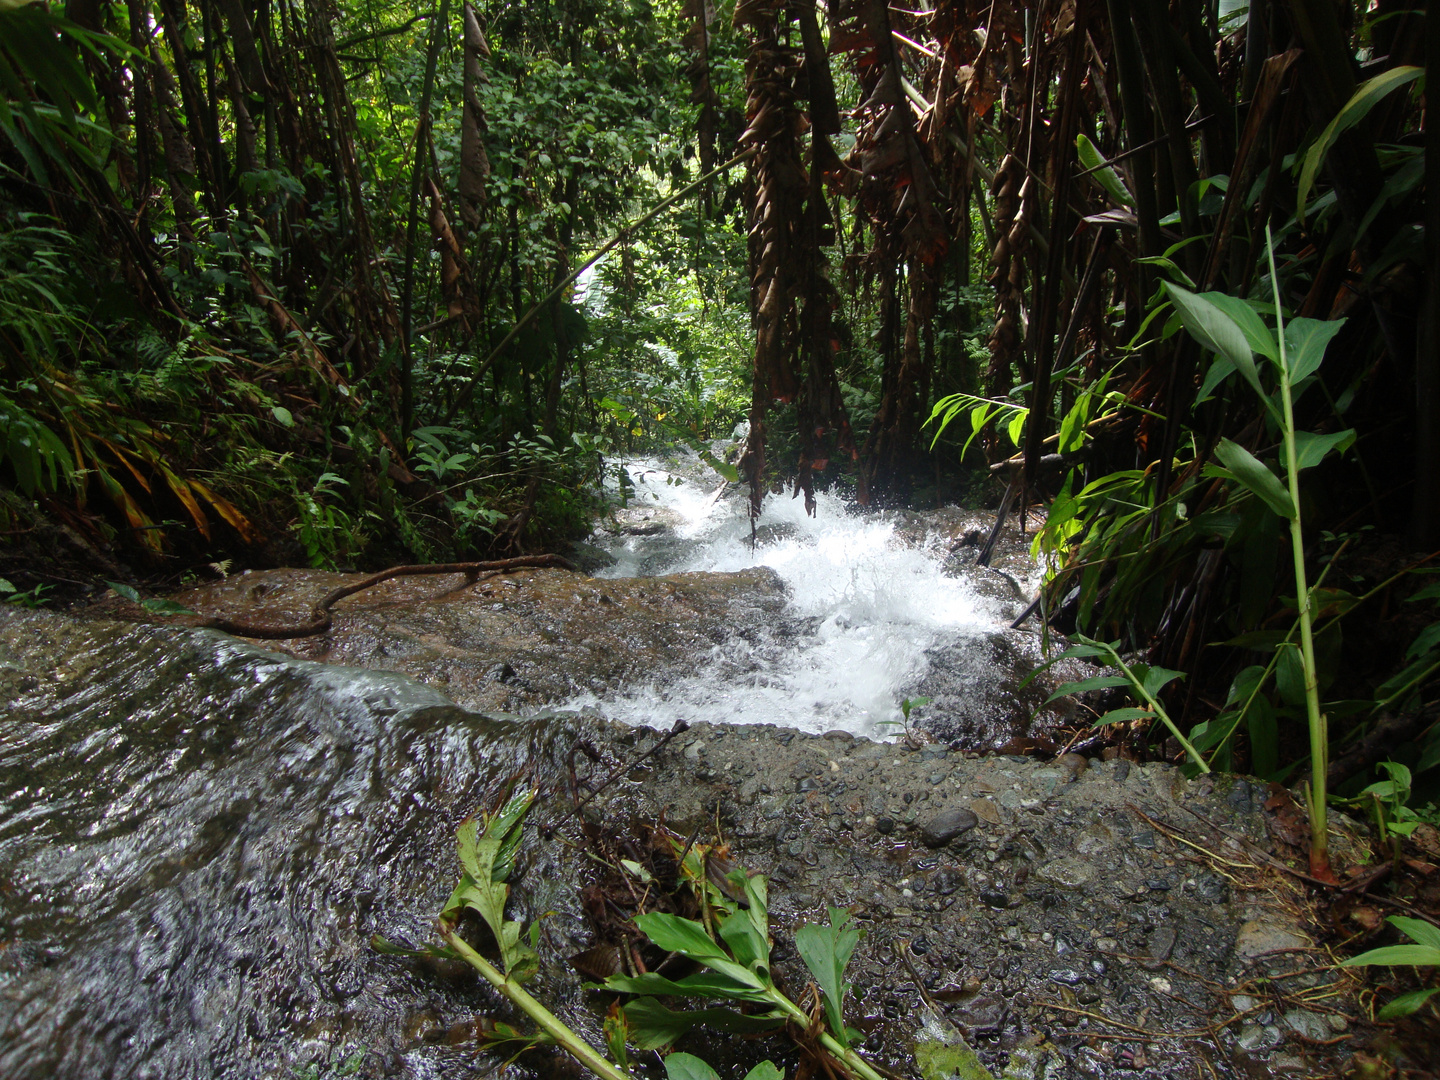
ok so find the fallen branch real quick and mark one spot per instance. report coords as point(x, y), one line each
point(321, 618)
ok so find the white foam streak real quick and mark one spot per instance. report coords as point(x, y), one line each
point(873, 603)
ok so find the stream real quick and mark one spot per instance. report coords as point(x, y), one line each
point(199, 837)
point(879, 595)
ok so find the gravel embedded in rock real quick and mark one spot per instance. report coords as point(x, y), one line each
point(947, 825)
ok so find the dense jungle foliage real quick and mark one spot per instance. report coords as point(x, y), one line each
point(312, 280)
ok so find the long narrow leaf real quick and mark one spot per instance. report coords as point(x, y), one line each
point(1365, 98)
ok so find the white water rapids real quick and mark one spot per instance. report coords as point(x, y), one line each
point(872, 606)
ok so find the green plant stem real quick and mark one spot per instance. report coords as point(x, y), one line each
point(1319, 733)
point(848, 1057)
point(1157, 708)
point(575, 1046)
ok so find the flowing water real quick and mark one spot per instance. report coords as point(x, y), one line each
point(198, 838)
point(881, 599)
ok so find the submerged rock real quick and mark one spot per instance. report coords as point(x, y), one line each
point(513, 641)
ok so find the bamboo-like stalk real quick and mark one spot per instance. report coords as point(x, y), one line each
point(1319, 733)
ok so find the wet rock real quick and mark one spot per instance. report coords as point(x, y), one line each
point(947, 825)
point(981, 1015)
point(1255, 1037)
point(1162, 944)
point(1308, 1025)
point(1260, 938)
point(885, 826)
point(1068, 872)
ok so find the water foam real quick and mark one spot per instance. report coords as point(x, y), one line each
point(868, 603)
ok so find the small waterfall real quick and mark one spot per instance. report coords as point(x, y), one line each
point(872, 605)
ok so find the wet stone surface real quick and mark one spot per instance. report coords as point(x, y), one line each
point(516, 640)
point(199, 839)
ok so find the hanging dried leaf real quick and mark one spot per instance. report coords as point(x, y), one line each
point(474, 162)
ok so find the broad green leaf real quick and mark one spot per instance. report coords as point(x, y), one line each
point(1219, 371)
point(688, 1067)
point(705, 984)
point(654, 1027)
point(1017, 426)
point(1365, 98)
point(1311, 448)
point(766, 1070)
point(826, 951)
point(1103, 172)
point(1214, 328)
point(1258, 336)
point(1264, 738)
point(1121, 716)
point(1157, 678)
point(747, 945)
point(1424, 642)
point(1406, 1004)
point(1305, 343)
point(1290, 674)
point(687, 937)
point(1416, 930)
point(1097, 682)
point(488, 858)
point(1255, 477)
point(125, 592)
point(1397, 955)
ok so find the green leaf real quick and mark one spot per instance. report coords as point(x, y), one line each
point(1103, 172)
point(687, 937)
point(488, 859)
point(1365, 98)
point(1305, 343)
point(654, 1027)
point(1417, 929)
point(1255, 477)
point(1290, 673)
point(704, 984)
point(1406, 1004)
point(826, 951)
point(766, 1070)
point(1397, 955)
point(1258, 336)
point(1311, 448)
point(688, 1067)
point(1097, 682)
point(1157, 678)
point(125, 592)
point(1120, 716)
point(1216, 330)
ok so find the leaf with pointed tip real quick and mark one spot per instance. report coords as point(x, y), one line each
point(1103, 172)
point(1305, 343)
point(1120, 716)
point(826, 951)
point(654, 1027)
point(688, 1067)
point(1311, 448)
point(1366, 97)
point(1216, 330)
point(1247, 469)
